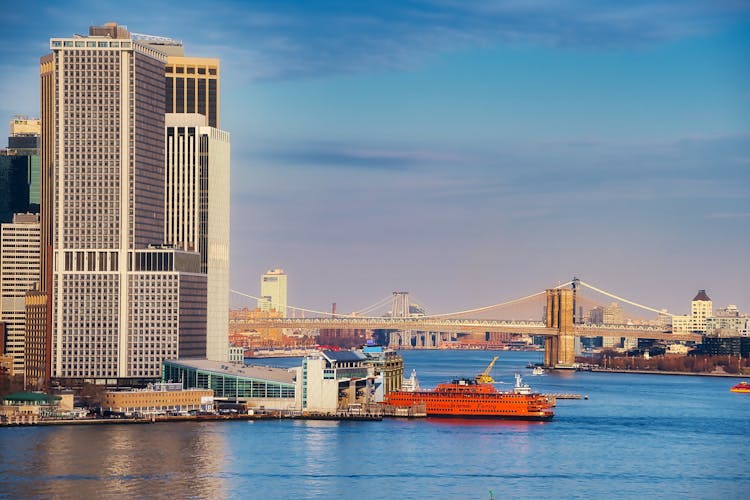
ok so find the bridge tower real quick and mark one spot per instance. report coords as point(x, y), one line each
point(560, 349)
point(400, 305)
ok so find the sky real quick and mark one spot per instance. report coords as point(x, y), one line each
point(466, 152)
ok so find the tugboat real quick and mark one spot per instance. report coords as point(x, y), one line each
point(469, 398)
point(741, 387)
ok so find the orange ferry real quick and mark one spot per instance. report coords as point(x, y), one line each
point(468, 398)
point(741, 387)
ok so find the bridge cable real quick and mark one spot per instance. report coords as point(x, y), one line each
point(592, 287)
point(377, 304)
point(328, 313)
point(323, 313)
point(494, 305)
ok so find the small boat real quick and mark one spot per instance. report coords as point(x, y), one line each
point(741, 387)
point(537, 370)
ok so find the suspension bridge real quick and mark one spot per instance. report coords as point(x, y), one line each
point(559, 309)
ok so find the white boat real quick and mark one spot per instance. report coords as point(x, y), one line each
point(538, 370)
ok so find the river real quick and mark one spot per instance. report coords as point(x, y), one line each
point(636, 436)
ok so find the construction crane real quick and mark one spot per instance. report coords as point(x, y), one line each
point(485, 377)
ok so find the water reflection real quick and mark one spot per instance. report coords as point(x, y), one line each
point(134, 460)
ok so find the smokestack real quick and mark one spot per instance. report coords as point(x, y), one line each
point(333, 310)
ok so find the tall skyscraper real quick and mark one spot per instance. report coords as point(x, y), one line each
point(197, 212)
point(119, 301)
point(273, 291)
point(19, 273)
point(192, 82)
point(19, 169)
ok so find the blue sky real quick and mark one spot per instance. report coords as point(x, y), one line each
point(468, 152)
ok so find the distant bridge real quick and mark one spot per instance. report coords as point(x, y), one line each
point(559, 326)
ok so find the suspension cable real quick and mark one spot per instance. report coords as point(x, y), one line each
point(611, 295)
point(324, 313)
point(494, 305)
point(377, 304)
point(467, 311)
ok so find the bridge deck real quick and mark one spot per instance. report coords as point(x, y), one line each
point(469, 326)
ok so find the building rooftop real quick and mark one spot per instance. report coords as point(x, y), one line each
point(702, 296)
point(248, 371)
point(31, 397)
point(344, 356)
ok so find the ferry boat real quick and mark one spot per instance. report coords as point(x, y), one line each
point(741, 387)
point(469, 398)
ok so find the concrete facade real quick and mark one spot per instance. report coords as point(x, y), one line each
point(197, 212)
point(118, 303)
point(19, 273)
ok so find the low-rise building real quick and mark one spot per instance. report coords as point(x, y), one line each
point(256, 386)
point(159, 398)
point(730, 345)
point(333, 380)
point(388, 364)
point(26, 408)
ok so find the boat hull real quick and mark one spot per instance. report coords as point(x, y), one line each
point(480, 401)
point(742, 387)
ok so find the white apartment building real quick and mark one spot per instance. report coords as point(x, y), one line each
point(196, 212)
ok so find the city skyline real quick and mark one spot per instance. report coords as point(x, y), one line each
point(467, 154)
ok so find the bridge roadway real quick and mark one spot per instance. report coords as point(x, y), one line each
point(470, 326)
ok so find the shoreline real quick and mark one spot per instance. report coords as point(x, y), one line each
point(191, 418)
point(657, 372)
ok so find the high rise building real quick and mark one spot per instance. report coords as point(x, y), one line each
point(197, 212)
point(119, 301)
point(192, 82)
point(19, 169)
point(701, 308)
point(19, 273)
point(273, 291)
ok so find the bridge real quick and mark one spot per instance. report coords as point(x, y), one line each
point(559, 324)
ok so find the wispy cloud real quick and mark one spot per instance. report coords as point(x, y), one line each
point(728, 215)
point(356, 156)
point(289, 39)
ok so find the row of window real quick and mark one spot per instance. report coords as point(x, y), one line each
point(99, 44)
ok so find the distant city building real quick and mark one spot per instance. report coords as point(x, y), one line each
point(239, 331)
point(726, 346)
point(273, 291)
point(701, 308)
point(19, 273)
point(607, 315)
point(681, 323)
point(726, 325)
point(343, 337)
point(20, 169)
point(730, 311)
point(118, 301)
point(197, 212)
